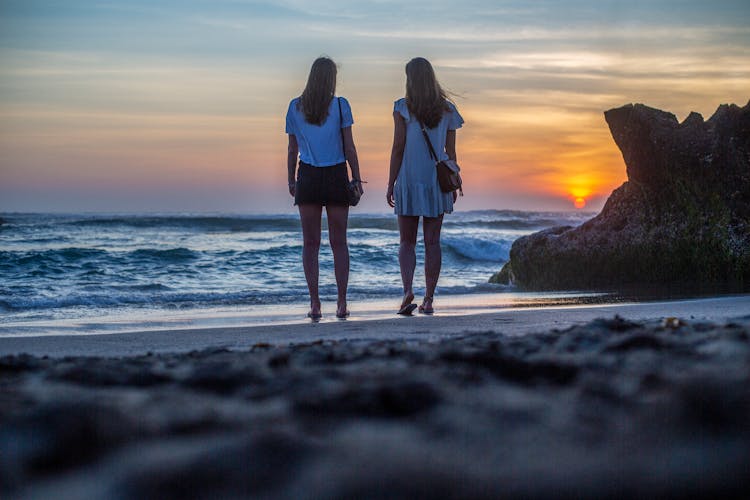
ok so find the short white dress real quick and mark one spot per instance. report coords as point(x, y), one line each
point(416, 191)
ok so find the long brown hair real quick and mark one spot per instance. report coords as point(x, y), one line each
point(320, 89)
point(425, 98)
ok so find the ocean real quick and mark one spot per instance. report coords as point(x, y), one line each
point(114, 272)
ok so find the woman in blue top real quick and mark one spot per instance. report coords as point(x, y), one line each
point(320, 132)
point(413, 188)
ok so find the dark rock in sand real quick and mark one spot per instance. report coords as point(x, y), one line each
point(614, 408)
point(682, 218)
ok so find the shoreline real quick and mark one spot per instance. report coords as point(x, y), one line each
point(510, 321)
point(257, 315)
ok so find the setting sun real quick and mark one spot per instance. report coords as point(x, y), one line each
point(578, 195)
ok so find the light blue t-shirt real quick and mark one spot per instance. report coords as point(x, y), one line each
point(320, 145)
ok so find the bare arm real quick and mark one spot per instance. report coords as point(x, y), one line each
point(450, 144)
point(397, 154)
point(350, 152)
point(450, 148)
point(291, 162)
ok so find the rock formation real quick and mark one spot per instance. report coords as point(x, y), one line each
point(682, 218)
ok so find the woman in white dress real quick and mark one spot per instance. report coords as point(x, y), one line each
point(413, 188)
point(319, 126)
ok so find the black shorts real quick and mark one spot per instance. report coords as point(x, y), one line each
point(321, 185)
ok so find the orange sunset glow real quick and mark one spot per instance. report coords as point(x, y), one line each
point(182, 109)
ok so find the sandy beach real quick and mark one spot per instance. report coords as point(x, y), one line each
point(371, 326)
point(585, 402)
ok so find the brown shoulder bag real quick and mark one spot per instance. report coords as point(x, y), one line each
point(448, 171)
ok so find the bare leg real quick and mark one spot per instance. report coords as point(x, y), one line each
point(407, 257)
point(433, 257)
point(337, 221)
point(310, 217)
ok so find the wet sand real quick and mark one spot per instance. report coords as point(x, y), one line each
point(509, 321)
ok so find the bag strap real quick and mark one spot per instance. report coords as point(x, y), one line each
point(341, 129)
point(341, 121)
point(343, 146)
point(429, 143)
point(432, 152)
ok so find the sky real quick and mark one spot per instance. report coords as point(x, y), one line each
point(178, 106)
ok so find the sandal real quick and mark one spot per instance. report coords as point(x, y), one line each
point(407, 309)
point(406, 306)
point(426, 307)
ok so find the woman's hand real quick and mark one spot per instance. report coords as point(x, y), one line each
point(389, 197)
point(455, 196)
point(292, 188)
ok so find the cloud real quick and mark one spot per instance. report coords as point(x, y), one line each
point(198, 89)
